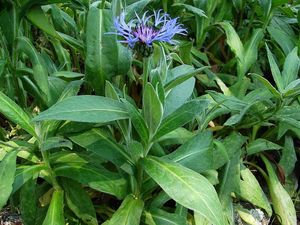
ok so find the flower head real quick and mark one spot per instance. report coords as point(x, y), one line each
point(148, 29)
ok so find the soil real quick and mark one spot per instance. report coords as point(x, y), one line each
point(10, 217)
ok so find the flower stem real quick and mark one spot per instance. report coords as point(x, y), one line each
point(146, 61)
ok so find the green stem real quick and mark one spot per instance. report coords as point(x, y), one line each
point(254, 131)
point(165, 5)
point(45, 156)
point(52, 175)
point(146, 61)
point(103, 4)
point(139, 179)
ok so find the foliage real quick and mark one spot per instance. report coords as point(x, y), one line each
point(92, 133)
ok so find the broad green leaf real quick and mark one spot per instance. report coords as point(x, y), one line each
point(56, 88)
point(267, 85)
point(13, 112)
point(79, 202)
point(229, 102)
point(84, 108)
point(230, 177)
point(152, 109)
point(236, 118)
point(98, 141)
point(178, 136)
point(40, 73)
point(247, 216)
point(105, 57)
point(138, 121)
point(67, 74)
point(291, 67)
point(181, 116)
point(136, 6)
point(177, 72)
point(25, 173)
point(55, 213)
point(275, 71)
point(251, 191)
point(129, 213)
point(8, 22)
point(289, 157)
point(178, 96)
point(66, 157)
point(285, 41)
point(124, 125)
point(196, 153)
point(56, 142)
point(180, 79)
point(282, 202)
point(71, 89)
point(97, 178)
point(7, 176)
point(194, 10)
point(72, 42)
point(233, 40)
point(161, 217)
point(186, 187)
point(251, 50)
point(200, 220)
point(260, 145)
point(36, 16)
point(29, 202)
point(220, 154)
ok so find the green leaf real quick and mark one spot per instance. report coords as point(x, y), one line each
point(285, 41)
point(7, 176)
point(289, 157)
point(84, 108)
point(56, 142)
point(29, 202)
point(291, 67)
point(97, 178)
point(55, 213)
point(275, 70)
point(79, 202)
point(260, 145)
point(138, 121)
point(181, 116)
point(161, 217)
point(105, 57)
point(129, 213)
point(230, 177)
point(182, 78)
point(200, 220)
point(71, 89)
point(152, 109)
point(67, 74)
point(251, 191)
point(36, 16)
point(251, 50)
point(194, 10)
point(196, 153)
point(136, 6)
point(267, 85)
point(40, 73)
point(282, 203)
point(186, 187)
point(25, 173)
point(233, 40)
point(16, 114)
point(98, 141)
point(178, 96)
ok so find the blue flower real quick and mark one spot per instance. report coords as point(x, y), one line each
point(158, 27)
